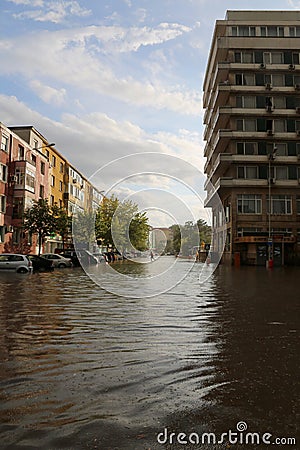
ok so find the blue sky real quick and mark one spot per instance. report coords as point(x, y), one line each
point(103, 79)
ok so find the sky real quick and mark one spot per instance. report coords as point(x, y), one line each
point(108, 79)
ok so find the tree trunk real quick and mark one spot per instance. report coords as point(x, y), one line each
point(40, 242)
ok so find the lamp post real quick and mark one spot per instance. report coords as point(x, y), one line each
point(271, 157)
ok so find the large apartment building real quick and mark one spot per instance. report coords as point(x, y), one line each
point(32, 168)
point(252, 117)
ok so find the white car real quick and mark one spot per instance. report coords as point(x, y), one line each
point(15, 262)
point(58, 260)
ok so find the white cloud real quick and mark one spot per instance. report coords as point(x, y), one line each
point(51, 11)
point(93, 140)
point(294, 4)
point(48, 94)
point(74, 63)
point(32, 3)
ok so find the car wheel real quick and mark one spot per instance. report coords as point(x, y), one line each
point(22, 270)
point(61, 266)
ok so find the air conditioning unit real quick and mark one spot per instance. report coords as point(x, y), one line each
point(13, 178)
point(297, 87)
point(262, 66)
point(272, 180)
point(270, 132)
point(10, 229)
point(291, 67)
point(268, 86)
point(298, 110)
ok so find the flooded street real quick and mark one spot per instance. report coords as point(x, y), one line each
point(85, 369)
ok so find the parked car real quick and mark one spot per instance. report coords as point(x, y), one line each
point(71, 254)
point(58, 260)
point(41, 264)
point(15, 262)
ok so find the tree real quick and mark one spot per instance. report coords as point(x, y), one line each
point(83, 229)
point(190, 235)
point(63, 223)
point(40, 219)
point(120, 225)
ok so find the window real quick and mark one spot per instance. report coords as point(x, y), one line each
point(294, 31)
point(20, 177)
point(279, 125)
point(281, 172)
point(21, 152)
point(52, 180)
point(42, 168)
point(249, 204)
point(243, 31)
point(245, 102)
point(298, 207)
point(61, 186)
point(243, 79)
point(245, 57)
point(248, 231)
point(2, 203)
point(273, 58)
point(246, 148)
point(53, 161)
point(61, 167)
point(295, 58)
point(280, 204)
point(292, 80)
point(276, 79)
point(272, 31)
point(4, 143)
point(33, 159)
point(281, 149)
point(52, 200)
point(35, 143)
point(3, 173)
point(279, 102)
point(246, 124)
point(42, 191)
point(2, 233)
point(29, 180)
point(47, 153)
point(250, 172)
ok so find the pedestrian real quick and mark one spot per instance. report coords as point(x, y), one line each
point(151, 256)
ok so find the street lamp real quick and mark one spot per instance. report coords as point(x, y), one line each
point(44, 146)
point(271, 157)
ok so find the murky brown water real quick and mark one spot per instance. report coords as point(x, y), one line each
point(85, 369)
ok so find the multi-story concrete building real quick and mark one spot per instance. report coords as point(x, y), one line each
point(252, 102)
point(25, 175)
point(56, 181)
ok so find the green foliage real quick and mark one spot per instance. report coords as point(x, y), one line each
point(63, 223)
point(40, 219)
point(84, 227)
point(120, 225)
point(190, 235)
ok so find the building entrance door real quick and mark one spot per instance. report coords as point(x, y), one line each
point(261, 254)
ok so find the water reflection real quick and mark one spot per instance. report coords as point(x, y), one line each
point(82, 368)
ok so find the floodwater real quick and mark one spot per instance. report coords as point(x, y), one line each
point(82, 368)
